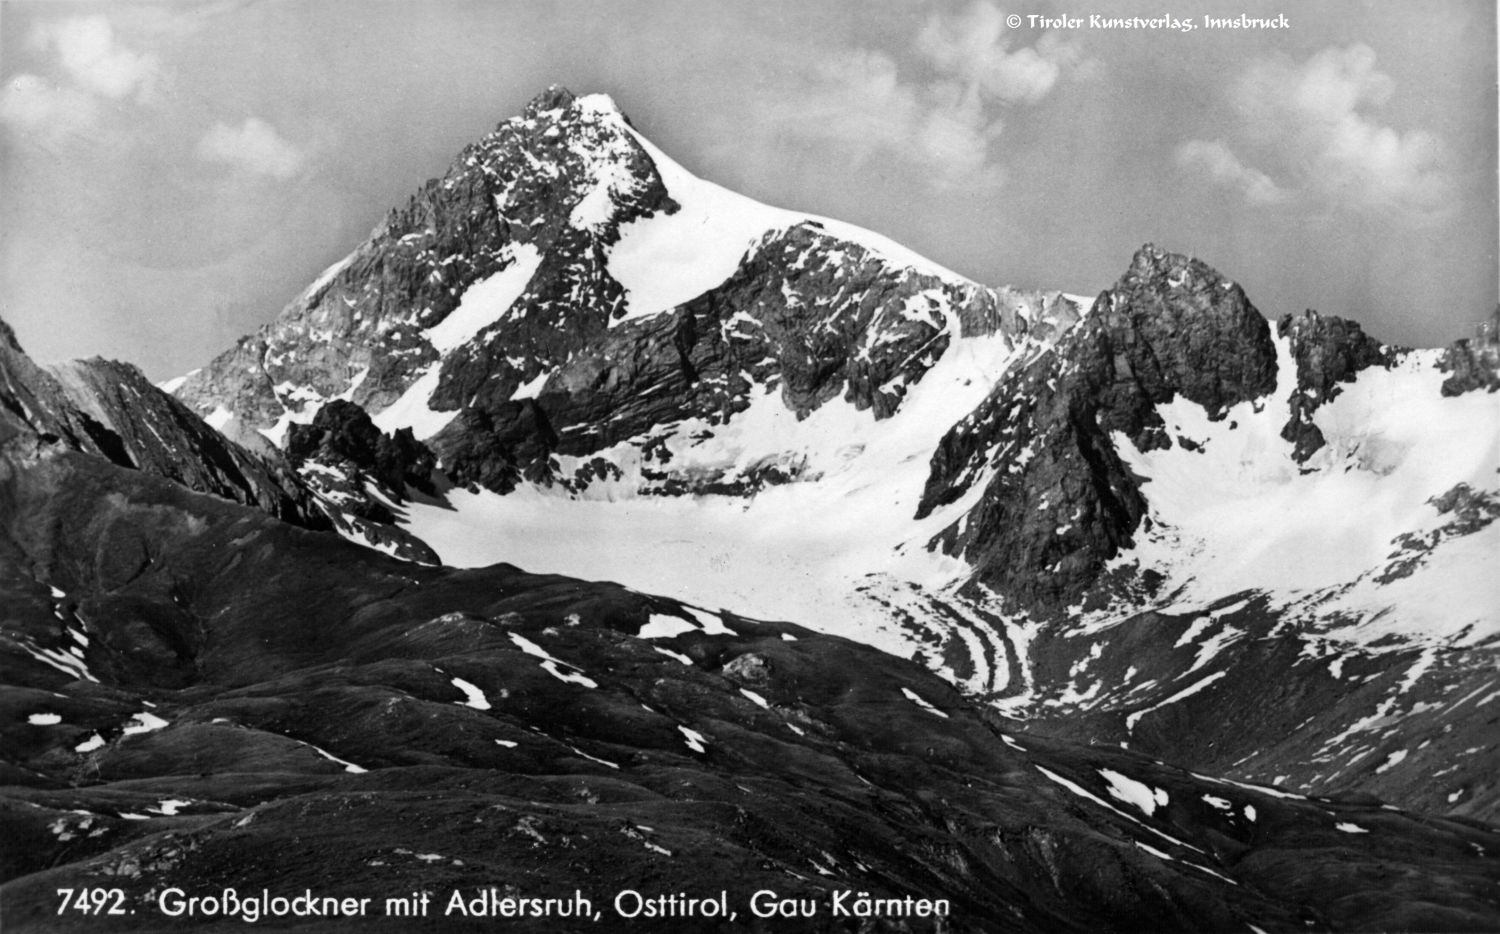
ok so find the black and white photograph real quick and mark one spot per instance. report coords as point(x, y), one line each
point(865, 466)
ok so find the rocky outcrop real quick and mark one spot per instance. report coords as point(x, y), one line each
point(359, 474)
point(499, 448)
point(1058, 502)
point(1328, 351)
point(110, 409)
point(342, 433)
point(1474, 364)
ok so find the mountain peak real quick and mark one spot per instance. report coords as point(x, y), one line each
point(556, 97)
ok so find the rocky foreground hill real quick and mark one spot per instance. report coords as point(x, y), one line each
point(1139, 611)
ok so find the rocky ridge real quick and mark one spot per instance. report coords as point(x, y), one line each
point(1058, 502)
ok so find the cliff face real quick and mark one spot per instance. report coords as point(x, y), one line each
point(1057, 502)
point(110, 409)
point(1474, 364)
point(1328, 351)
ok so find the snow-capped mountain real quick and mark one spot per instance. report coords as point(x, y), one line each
point(1107, 507)
point(754, 464)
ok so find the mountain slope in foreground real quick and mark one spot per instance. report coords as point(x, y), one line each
point(1151, 518)
point(200, 697)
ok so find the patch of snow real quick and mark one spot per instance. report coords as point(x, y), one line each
point(486, 301)
point(661, 626)
point(756, 698)
point(585, 755)
point(712, 624)
point(411, 409)
point(677, 655)
point(474, 696)
point(1126, 789)
point(1393, 760)
point(693, 738)
point(916, 699)
point(44, 719)
point(532, 387)
point(348, 766)
point(144, 722)
point(1350, 828)
point(1087, 795)
point(553, 666)
point(171, 386)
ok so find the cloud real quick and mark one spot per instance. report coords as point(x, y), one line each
point(1217, 161)
point(88, 52)
point(975, 47)
point(92, 76)
point(254, 147)
point(46, 114)
point(943, 113)
point(1306, 131)
point(858, 105)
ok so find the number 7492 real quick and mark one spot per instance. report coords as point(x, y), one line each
point(92, 901)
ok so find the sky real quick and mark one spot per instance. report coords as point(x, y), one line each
point(173, 173)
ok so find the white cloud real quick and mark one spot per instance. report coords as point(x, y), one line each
point(1305, 130)
point(857, 105)
point(975, 47)
point(254, 146)
point(87, 50)
point(45, 113)
point(944, 116)
point(1217, 161)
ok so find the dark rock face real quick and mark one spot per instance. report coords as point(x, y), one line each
point(111, 409)
point(1475, 364)
point(1328, 351)
point(498, 449)
point(342, 432)
point(511, 192)
point(355, 469)
point(258, 706)
point(1058, 502)
point(806, 315)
